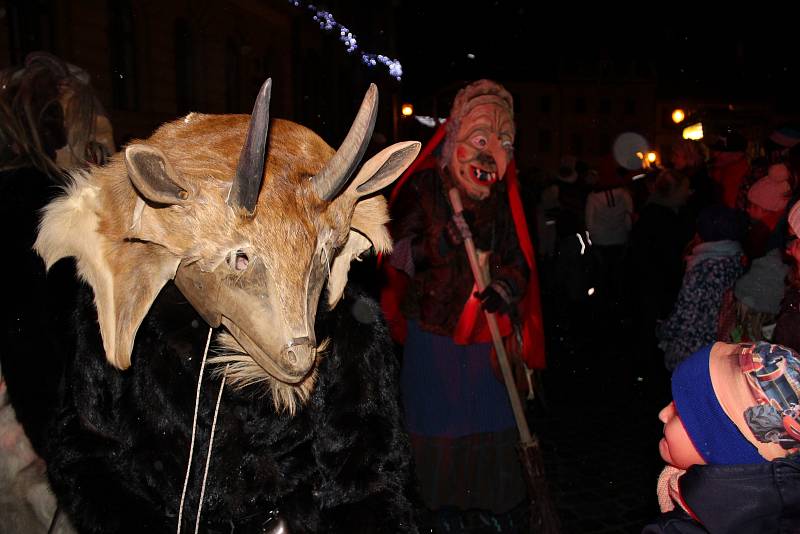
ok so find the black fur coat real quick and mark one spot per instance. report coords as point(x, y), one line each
point(118, 447)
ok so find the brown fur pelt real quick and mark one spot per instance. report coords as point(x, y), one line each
point(104, 222)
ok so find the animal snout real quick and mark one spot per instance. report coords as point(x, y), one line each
point(298, 355)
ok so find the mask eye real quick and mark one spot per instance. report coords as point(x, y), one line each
point(238, 261)
point(479, 141)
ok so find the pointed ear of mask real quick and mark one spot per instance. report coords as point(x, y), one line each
point(370, 215)
point(382, 169)
point(153, 176)
point(125, 276)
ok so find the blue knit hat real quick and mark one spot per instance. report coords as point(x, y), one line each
point(749, 411)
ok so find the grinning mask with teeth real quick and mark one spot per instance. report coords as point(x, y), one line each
point(484, 144)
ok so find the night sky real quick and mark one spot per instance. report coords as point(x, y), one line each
point(747, 55)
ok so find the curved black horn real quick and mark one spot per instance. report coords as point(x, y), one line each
point(250, 170)
point(330, 180)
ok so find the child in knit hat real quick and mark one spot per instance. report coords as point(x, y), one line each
point(749, 311)
point(731, 438)
point(766, 205)
point(713, 267)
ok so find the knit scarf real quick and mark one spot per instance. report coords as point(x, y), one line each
point(712, 250)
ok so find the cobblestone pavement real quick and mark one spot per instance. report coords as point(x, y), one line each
point(597, 419)
point(600, 433)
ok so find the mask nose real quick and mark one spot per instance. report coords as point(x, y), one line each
point(298, 355)
point(487, 160)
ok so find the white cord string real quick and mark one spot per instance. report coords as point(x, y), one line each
point(210, 445)
point(194, 430)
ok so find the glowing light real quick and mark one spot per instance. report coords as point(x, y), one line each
point(693, 132)
point(329, 24)
point(678, 115)
point(591, 291)
point(651, 157)
point(640, 155)
point(583, 245)
point(407, 110)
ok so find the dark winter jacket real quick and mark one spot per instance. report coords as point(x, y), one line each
point(737, 499)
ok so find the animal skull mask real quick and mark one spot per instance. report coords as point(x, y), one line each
point(250, 217)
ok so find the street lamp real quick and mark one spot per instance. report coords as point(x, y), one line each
point(648, 158)
point(678, 115)
point(407, 110)
point(693, 132)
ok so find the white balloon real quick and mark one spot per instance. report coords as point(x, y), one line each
point(626, 147)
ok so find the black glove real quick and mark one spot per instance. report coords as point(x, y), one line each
point(496, 298)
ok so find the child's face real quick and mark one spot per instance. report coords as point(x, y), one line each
point(675, 447)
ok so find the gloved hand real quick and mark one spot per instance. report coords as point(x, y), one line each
point(496, 298)
point(457, 228)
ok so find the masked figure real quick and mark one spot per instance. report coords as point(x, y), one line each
point(51, 122)
point(457, 412)
point(233, 232)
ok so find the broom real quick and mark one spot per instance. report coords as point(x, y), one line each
point(543, 515)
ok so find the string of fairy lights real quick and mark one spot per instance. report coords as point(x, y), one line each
point(328, 23)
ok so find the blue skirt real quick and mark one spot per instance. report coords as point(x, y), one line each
point(450, 390)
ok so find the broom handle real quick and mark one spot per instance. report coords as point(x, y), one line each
point(500, 349)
